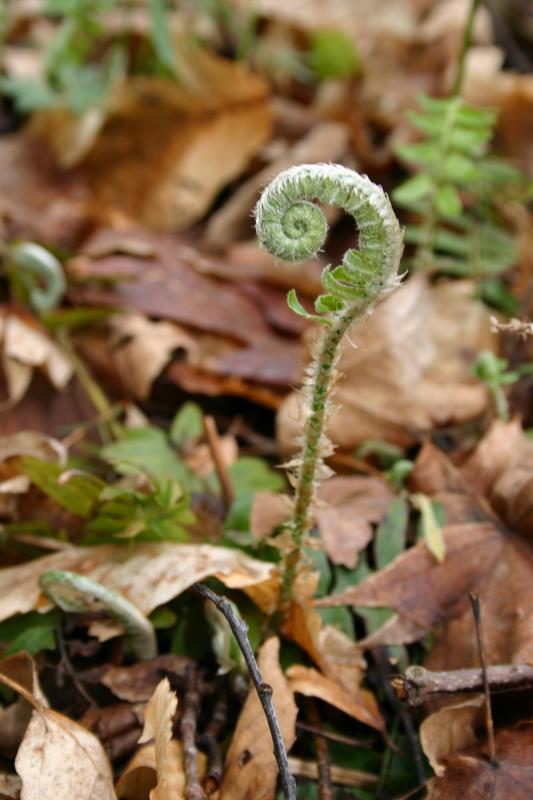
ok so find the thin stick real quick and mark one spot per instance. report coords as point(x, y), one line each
point(340, 775)
point(209, 741)
point(419, 685)
point(465, 47)
point(264, 691)
point(69, 668)
point(336, 737)
point(211, 434)
point(191, 708)
point(325, 787)
point(474, 599)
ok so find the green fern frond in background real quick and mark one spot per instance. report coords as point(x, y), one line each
point(458, 196)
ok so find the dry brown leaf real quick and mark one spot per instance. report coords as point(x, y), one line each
point(147, 574)
point(139, 776)
point(326, 142)
point(410, 369)
point(10, 786)
point(158, 717)
point(470, 774)
point(480, 558)
point(138, 682)
point(58, 758)
point(339, 658)
point(14, 718)
point(269, 510)
point(311, 683)
point(26, 348)
point(449, 730)
point(142, 348)
point(345, 511)
point(251, 770)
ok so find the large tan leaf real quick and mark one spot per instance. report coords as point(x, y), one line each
point(58, 758)
point(147, 574)
point(251, 770)
point(409, 371)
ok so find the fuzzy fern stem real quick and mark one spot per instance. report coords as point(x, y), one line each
point(293, 228)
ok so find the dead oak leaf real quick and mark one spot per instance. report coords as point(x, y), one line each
point(251, 770)
point(449, 730)
point(469, 774)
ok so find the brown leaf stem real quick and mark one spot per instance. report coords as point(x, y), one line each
point(264, 691)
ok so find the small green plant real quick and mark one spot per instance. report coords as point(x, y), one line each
point(293, 228)
point(71, 76)
point(459, 192)
point(495, 374)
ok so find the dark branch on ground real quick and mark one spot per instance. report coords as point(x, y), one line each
point(264, 691)
point(419, 685)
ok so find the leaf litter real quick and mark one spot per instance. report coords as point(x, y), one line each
point(139, 164)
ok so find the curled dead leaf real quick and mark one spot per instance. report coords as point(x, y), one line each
point(59, 758)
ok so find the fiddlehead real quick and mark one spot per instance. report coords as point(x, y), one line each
point(293, 228)
point(39, 272)
point(77, 594)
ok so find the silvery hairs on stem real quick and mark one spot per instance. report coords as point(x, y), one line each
point(293, 228)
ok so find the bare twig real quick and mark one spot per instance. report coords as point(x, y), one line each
point(339, 775)
point(335, 737)
point(209, 740)
point(474, 599)
point(419, 685)
point(264, 691)
point(189, 717)
point(325, 788)
point(211, 434)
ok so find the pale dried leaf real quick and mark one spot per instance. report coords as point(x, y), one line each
point(326, 142)
point(345, 511)
point(141, 348)
point(269, 510)
point(26, 348)
point(409, 371)
point(158, 717)
point(311, 683)
point(147, 574)
point(58, 758)
point(251, 769)
point(450, 729)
